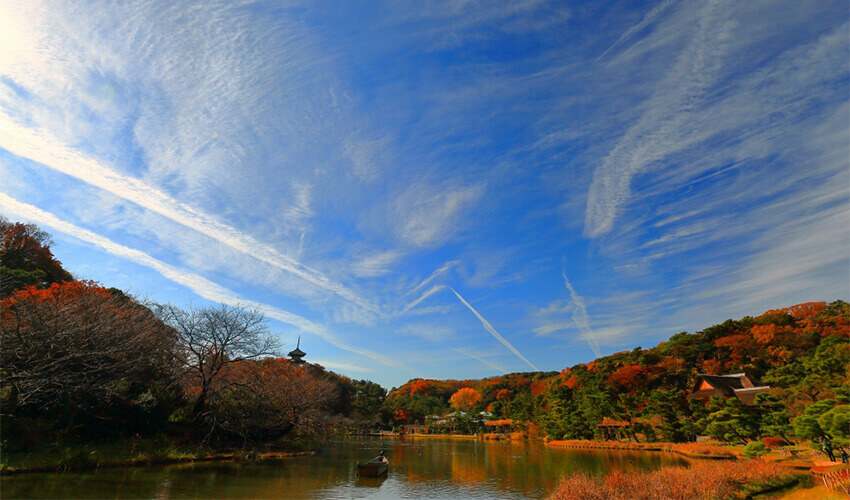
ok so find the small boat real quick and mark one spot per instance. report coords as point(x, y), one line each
point(373, 468)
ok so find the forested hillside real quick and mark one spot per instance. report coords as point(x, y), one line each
point(800, 351)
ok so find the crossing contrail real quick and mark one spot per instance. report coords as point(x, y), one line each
point(493, 332)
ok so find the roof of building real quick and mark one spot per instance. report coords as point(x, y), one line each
point(734, 384)
point(610, 422)
point(498, 423)
point(748, 394)
point(726, 384)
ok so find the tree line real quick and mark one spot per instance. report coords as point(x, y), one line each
point(81, 362)
point(802, 352)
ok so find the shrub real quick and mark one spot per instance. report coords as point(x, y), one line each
point(755, 449)
point(774, 442)
point(703, 449)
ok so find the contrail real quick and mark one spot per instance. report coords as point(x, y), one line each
point(436, 273)
point(580, 317)
point(493, 332)
point(198, 284)
point(431, 291)
point(648, 18)
point(488, 363)
point(39, 147)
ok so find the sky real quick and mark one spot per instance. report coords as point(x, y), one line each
point(439, 189)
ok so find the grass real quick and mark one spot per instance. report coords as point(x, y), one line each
point(702, 480)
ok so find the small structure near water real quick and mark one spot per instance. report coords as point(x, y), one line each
point(610, 428)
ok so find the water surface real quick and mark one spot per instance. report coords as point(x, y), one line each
point(419, 468)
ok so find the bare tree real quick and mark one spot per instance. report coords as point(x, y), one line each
point(211, 338)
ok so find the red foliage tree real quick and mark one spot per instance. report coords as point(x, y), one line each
point(503, 395)
point(538, 387)
point(570, 383)
point(402, 416)
point(26, 259)
point(421, 386)
point(629, 376)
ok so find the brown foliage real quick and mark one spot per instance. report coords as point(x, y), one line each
point(268, 398)
point(702, 480)
point(73, 339)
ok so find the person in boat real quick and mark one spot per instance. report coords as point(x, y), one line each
point(381, 457)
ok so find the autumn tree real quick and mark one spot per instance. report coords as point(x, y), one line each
point(26, 259)
point(465, 399)
point(267, 399)
point(77, 348)
point(211, 338)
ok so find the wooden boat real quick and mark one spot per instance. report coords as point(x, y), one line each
point(373, 468)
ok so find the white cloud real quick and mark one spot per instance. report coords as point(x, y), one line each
point(426, 331)
point(440, 270)
point(375, 265)
point(38, 146)
point(427, 214)
point(647, 19)
point(668, 124)
point(198, 284)
point(341, 367)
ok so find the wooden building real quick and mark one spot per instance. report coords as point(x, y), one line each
point(734, 385)
point(611, 428)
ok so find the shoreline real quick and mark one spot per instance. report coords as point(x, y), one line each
point(148, 461)
point(710, 452)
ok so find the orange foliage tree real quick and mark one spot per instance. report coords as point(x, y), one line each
point(465, 398)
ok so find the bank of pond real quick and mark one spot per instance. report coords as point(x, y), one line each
point(419, 468)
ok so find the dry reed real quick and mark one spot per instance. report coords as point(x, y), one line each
point(702, 480)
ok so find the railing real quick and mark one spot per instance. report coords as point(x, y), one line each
point(837, 481)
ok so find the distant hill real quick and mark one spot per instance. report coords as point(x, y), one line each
point(800, 351)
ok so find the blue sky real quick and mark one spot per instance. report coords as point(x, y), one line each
point(447, 189)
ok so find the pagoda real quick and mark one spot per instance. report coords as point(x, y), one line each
point(296, 354)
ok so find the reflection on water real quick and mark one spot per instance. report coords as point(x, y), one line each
point(419, 468)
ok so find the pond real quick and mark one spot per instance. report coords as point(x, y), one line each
point(419, 468)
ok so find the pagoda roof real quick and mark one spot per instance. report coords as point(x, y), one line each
point(297, 352)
